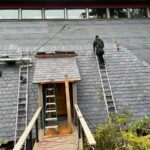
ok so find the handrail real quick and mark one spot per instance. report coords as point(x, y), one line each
point(89, 136)
point(27, 130)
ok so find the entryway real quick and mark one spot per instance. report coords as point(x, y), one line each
point(55, 109)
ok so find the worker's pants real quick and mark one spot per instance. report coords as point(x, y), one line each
point(101, 59)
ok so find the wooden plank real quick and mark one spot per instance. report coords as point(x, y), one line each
point(85, 127)
point(27, 130)
point(68, 99)
point(57, 81)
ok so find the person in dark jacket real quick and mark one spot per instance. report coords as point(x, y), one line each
point(98, 46)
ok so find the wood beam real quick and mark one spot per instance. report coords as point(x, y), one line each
point(55, 5)
point(68, 100)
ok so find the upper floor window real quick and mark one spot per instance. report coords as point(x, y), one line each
point(138, 13)
point(9, 14)
point(76, 13)
point(54, 14)
point(97, 13)
point(31, 14)
point(118, 13)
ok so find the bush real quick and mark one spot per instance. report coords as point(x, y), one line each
point(119, 134)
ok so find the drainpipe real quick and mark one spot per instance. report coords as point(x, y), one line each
point(108, 13)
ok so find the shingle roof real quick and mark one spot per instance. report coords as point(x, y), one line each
point(54, 69)
point(122, 66)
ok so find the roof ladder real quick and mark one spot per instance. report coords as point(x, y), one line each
point(50, 110)
point(22, 103)
point(106, 88)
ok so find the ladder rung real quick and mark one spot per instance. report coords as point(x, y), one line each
point(22, 92)
point(108, 95)
point(50, 104)
point(50, 96)
point(21, 110)
point(50, 119)
point(49, 127)
point(110, 101)
point(22, 103)
point(49, 111)
point(49, 89)
point(111, 106)
point(19, 116)
point(103, 70)
point(21, 122)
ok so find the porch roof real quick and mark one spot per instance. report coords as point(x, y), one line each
point(54, 70)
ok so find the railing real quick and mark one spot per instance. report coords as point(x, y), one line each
point(83, 129)
point(28, 131)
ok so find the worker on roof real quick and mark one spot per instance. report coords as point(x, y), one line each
point(98, 46)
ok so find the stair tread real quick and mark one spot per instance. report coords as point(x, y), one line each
point(49, 89)
point(19, 116)
point(49, 127)
point(50, 95)
point(49, 111)
point(50, 119)
point(50, 103)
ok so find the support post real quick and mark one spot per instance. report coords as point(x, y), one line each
point(41, 120)
point(74, 87)
point(128, 13)
point(40, 103)
point(31, 140)
point(87, 13)
point(65, 13)
point(19, 13)
point(40, 95)
point(43, 14)
point(108, 13)
point(79, 129)
point(37, 133)
point(68, 99)
point(148, 12)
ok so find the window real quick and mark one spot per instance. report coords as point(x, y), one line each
point(138, 13)
point(118, 13)
point(9, 14)
point(76, 14)
point(97, 13)
point(31, 14)
point(54, 14)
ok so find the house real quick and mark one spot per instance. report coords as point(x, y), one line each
point(48, 50)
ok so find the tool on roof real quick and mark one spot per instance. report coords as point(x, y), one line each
point(22, 102)
point(50, 110)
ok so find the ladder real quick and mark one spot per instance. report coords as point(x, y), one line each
point(50, 110)
point(106, 89)
point(22, 103)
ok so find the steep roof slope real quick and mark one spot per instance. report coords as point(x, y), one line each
point(32, 36)
point(130, 82)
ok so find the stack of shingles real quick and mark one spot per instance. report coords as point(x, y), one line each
point(130, 81)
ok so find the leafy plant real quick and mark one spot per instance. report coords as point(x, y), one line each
point(119, 134)
point(2, 142)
